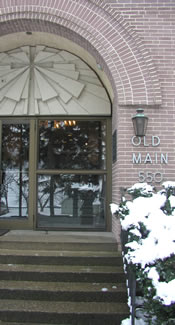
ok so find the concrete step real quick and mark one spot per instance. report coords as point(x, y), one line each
point(91, 313)
point(14, 323)
point(57, 246)
point(63, 273)
point(63, 291)
point(58, 240)
point(61, 278)
point(60, 257)
point(59, 253)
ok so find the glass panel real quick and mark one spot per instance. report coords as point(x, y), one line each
point(14, 190)
point(72, 145)
point(71, 201)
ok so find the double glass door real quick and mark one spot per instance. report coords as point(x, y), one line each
point(53, 173)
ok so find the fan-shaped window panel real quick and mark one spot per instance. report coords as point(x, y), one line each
point(38, 80)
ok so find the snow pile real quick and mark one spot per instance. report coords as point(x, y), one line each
point(114, 208)
point(144, 189)
point(161, 229)
point(128, 321)
point(164, 290)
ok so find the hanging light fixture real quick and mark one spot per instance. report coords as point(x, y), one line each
point(140, 122)
point(58, 124)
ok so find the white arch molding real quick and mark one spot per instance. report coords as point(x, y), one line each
point(40, 80)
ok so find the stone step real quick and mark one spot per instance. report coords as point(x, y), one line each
point(61, 278)
point(57, 246)
point(14, 323)
point(62, 273)
point(63, 291)
point(80, 313)
point(59, 236)
point(60, 257)
point(54, 253)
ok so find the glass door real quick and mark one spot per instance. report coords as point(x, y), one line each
point(14, 169)
point(71, 174)
point(54, 174)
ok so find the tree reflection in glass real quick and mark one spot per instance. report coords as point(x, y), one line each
point(15, 154)
point(72, 200)
point(63, 145)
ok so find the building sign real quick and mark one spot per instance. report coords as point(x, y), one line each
point(152, 158)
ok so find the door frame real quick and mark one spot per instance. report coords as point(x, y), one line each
point(31, 221)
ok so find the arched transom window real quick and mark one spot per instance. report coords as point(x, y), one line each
point(38, 80)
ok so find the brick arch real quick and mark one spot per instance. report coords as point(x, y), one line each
point(100, 31)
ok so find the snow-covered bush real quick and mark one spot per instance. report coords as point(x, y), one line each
point(149, 220)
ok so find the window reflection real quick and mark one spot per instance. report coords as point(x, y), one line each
point(71, 200)
point(14, 193)
point(72, 144)
point(14, 190)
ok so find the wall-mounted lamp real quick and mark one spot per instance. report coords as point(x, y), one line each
point(140, 122)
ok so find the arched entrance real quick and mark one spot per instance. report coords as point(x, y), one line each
point(55, 141)
point(102, 38)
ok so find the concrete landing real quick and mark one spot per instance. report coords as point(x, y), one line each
point(58, 236)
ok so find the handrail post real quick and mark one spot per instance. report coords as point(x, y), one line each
point(131, 278)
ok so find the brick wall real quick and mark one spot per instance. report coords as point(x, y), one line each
point(134, 42)
point(121, 52)
point(154, 22)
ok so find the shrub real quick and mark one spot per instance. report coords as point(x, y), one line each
point(149, 219)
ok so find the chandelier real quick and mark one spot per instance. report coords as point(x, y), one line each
point(58, 124)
